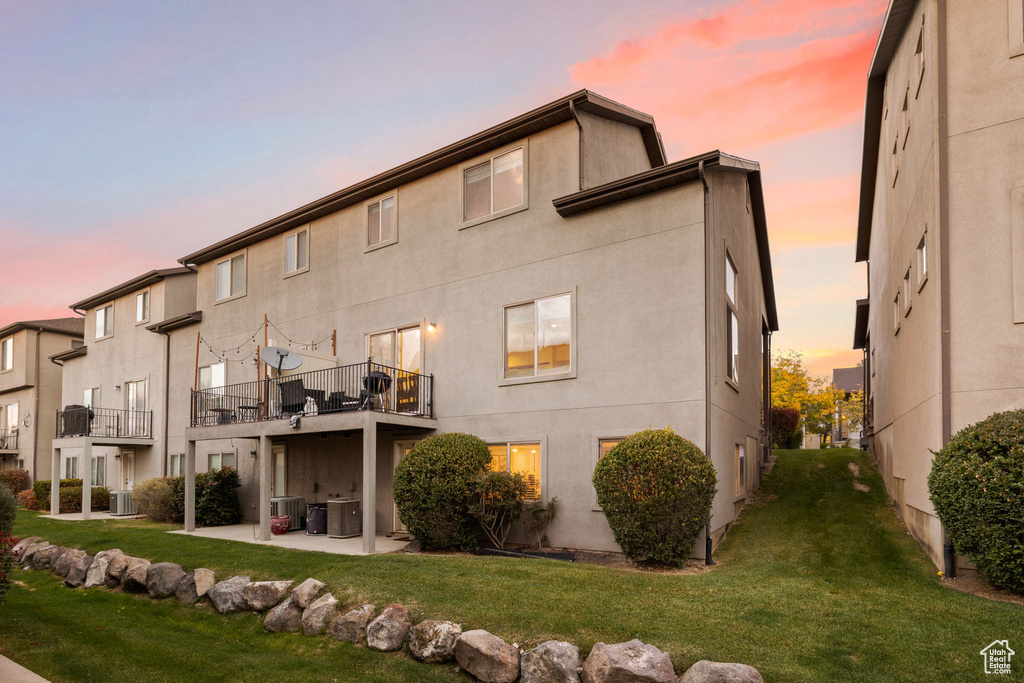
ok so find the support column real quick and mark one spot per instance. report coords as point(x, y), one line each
point(370, 483)
point(190, 486)
point(55, 483)
point(86, 473)
point(265, 462)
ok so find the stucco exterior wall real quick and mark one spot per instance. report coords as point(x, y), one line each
point(611, 150)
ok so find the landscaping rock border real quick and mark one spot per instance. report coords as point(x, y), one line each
point(485, 656)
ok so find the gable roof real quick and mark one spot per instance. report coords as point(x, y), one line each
point(136, 283)
point(685, 171)
point(895, 22)
point(547, 116)
point(74, 327)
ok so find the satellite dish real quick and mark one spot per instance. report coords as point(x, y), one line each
point(282, 359)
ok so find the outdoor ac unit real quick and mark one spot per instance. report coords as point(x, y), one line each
point(343, 518)
point(294, 506)
point(121, 504)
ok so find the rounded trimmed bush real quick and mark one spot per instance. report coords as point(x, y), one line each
point(977, 488)
point(435, 486)
point(152, 498)
point(656, 489)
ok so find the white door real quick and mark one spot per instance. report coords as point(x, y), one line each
point(401, 449)
point(127, 470)
point(278, 470)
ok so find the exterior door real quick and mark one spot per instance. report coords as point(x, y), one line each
point(401, 449)
point(278, 470)
point(137, 408)
point(127, 470)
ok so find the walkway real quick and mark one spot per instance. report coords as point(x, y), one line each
point(298, 540)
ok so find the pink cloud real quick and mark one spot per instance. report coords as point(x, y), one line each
point(812, 213)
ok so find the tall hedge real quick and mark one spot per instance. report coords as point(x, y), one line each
point(8, 511)
point(217, 501)
point(656, 489)
point(16, 480)
point(71, 496)
point(977, 488)
point(435, 486)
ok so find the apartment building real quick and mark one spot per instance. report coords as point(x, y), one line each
point(941, 228)
point(551, 284)
point(112, 422)
point(30, 388)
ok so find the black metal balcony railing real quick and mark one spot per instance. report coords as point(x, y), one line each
point(104, 422)
point(9, 439)
point(360, 386)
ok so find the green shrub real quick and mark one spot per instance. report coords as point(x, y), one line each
point(71, 499)
point(42, 490)
point(217, 498)
point(16, 480)
point(435, 485)
point(8, 510)
point(656, 489)
point(537, 518)
point(977, 488)
point(499, 504)
point(152, 498)
point(7, 543)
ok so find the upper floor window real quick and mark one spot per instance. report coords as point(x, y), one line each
point(538, 338)
point(922, 261)
point(1016, 17)
point(142, 307)
point(919, 62)
point(494, 186)
point(213, 376)
point(381, 222)
point(105, 322)
point(9, 416)
point(7, 354)
point(519, 458)
point(732, 326)
point(894, 164)
point(905, 114)
point(897, 314)
point(296, 252)
point(907, 301)
point(231, 277)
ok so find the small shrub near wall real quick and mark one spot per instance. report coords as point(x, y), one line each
point(16, 480)
point(435, 486)
point(152, 498)
point(216, 497)
point(656, 489)
point(977, 488)
point(42, 490)
point(8, 510)
point(27, 500)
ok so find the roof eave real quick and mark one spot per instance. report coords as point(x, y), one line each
point(141, 282)
point(178, 321)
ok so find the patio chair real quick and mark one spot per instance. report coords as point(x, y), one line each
point(339, 401)
point(408, 390)
point(293, 396)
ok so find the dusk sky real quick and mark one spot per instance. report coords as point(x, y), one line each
point(133, 133)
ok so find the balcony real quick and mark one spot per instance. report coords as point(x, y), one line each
point(107, 423)
point(9, 439)
point(360, 386)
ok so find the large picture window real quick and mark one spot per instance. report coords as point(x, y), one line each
point(538, 337)
point(494, 186)
point(519, 458)
point(231, 277)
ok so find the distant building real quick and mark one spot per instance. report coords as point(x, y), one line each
point(849, 381)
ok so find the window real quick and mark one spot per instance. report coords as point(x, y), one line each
point(213, 376)
point(71, 467)
point(732, 328)
point(19, 463)
point(231, 277)
point(381, 222)
point(9, 417)
point(278, 473)
point(907, 303)
point(296, 252)
point(98, 473)
point(175, 464)
point(219, 460)
point(905, 118)
point(894, 166)
point(897, 313)
point(399, 348)
point(142, 307)
point(519, 458)
point(7, 354)
point(91, 398)
point(604, 446)
point(922, 261)
point(741, 469)
point(495, 186)
point(919, 61)
point(538, 338)
point(105, 322)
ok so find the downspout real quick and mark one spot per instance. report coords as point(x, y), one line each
point(579, 125)
point(707, 346)
point(35, 432)
point(167, 394)
point(948, 552)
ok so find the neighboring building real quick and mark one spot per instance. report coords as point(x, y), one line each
point(30, 389)
point(112, 425)
point(550, 284)
point(942, 229)
point(849, 381)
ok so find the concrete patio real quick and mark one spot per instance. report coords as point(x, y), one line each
point(77, 516)
point(298, 540)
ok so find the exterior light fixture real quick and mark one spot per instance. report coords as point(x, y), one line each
point(431, 327)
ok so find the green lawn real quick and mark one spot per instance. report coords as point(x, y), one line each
point(818, 582)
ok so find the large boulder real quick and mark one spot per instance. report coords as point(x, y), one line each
point(554, 661)
point(262, 595)
point(632, 662)
point(306, 592)
point(76, 575)
point(351, 626)
point(388, 631)
point(21, 545)
point(116, 569)
point(285, 617)
point(434, 640)
point(194, 585)
point(134, 579)
point(29, 553)
point(720, 672)
point(487, 657)
point(162, 579)
point(43, 557)
point(229, 595)
point(97, 574)
point(319, 613)
point(63, 561)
